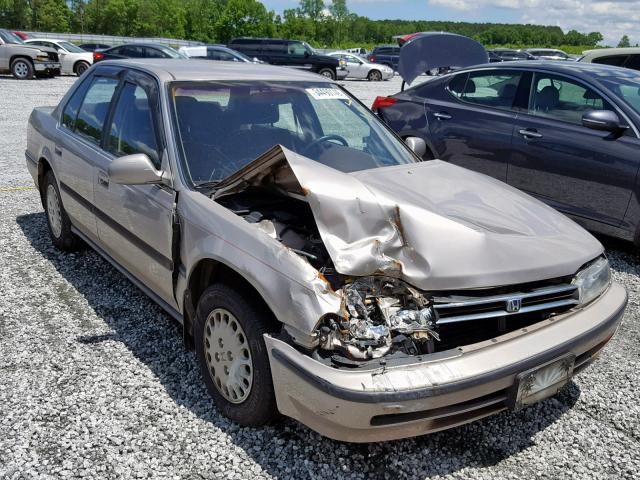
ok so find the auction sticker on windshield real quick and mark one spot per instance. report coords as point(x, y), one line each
point(327, 93)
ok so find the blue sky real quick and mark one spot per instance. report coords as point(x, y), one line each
point(612, 18)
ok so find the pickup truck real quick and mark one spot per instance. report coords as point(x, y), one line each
point(23, 61)
point(317, 267)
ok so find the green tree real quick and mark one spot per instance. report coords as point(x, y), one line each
point(624, 42)
point(314, 11)
point(245, 18)
point(340, 14)
point(14, 14)
point(50, 15)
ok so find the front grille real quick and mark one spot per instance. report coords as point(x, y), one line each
point(53, 56)
point(548, 299)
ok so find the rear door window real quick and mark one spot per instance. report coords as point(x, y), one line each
point(94, 109)
point(494, 88)
point(633, 62)
point(616, 60)
point(70, 112)
point(563, 99)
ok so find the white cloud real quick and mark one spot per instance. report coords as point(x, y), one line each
point(612, 18)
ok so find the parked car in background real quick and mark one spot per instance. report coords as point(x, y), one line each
point(26, 61)
point(317, 267)
point(289, 53)
point(92, 47)
point(216, 52)
point(510, 55)
point(137, 50)
point(358, 51)
point(73, 59)
point(565, 133)
point(549, 54)
point(358, 67)
point(21, 35)
point(388, 55)
point(619, 57)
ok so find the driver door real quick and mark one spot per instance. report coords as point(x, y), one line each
point(585, 173)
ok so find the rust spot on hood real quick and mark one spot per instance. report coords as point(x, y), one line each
point(397, 222)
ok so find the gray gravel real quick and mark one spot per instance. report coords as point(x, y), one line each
point(95, 383)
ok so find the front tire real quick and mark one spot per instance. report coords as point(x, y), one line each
point(57, 219)
point(80, 68)
point(22, 69)
point(232, 355)
point(327, 72)
point(374, 76)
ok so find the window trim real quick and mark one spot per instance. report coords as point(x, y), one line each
point(468, 73)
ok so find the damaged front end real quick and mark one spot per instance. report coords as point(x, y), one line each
point(380, 315)
point(398, 272)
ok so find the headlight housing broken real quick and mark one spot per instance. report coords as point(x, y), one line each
point(380, 314)
point(593, 279)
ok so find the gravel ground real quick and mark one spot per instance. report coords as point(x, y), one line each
point(95, 383)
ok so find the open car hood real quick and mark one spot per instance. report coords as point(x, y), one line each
point(435, 225)
point(426, 51)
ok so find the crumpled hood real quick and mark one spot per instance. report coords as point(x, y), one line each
point(433, 224)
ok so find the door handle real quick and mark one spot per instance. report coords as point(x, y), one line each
point(442, 116)
point(103, 180)
point(529, 133)
point(57, 150)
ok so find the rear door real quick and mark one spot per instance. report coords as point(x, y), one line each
point(471, 120)
point(135, 221)
point(77, 148)
point(582, 172)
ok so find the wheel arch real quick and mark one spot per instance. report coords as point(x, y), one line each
point(43, 167)
point(20, 55)
point(206, 272)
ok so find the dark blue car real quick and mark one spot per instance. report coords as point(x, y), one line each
point(567, 133)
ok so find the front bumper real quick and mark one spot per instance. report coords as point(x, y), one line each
point(47, 67)
point(441, 391)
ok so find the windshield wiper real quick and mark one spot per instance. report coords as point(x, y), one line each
point(206, 185)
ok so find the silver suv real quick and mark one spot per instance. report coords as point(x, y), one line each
point(318, 268)
point(24, 61)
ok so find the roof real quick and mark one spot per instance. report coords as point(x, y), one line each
point(53, 40)
point(168, 69)
point(605, 52)
point(568, 68)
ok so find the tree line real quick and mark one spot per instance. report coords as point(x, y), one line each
point(322, 24)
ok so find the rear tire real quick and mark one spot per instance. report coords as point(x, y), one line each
point(327, 72)
point(233, 357)
point(22, 69)
point(80, 68)
point(57, 220)
point(374, 76)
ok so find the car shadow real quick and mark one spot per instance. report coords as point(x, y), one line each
point(156, 340)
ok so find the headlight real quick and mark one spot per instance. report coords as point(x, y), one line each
point(593, 280)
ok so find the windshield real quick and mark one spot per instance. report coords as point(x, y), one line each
point(625, 83)
point(240, 55)
point(224, 126)
point(70, 47)
point(173, 53)
point(9, 37)
point(309, 48)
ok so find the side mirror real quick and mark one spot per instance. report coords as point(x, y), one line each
point(306, 54)
point(135, 169)
point(417, 145)
point(604, 120)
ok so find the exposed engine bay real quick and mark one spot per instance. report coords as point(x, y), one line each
point(379, 314)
